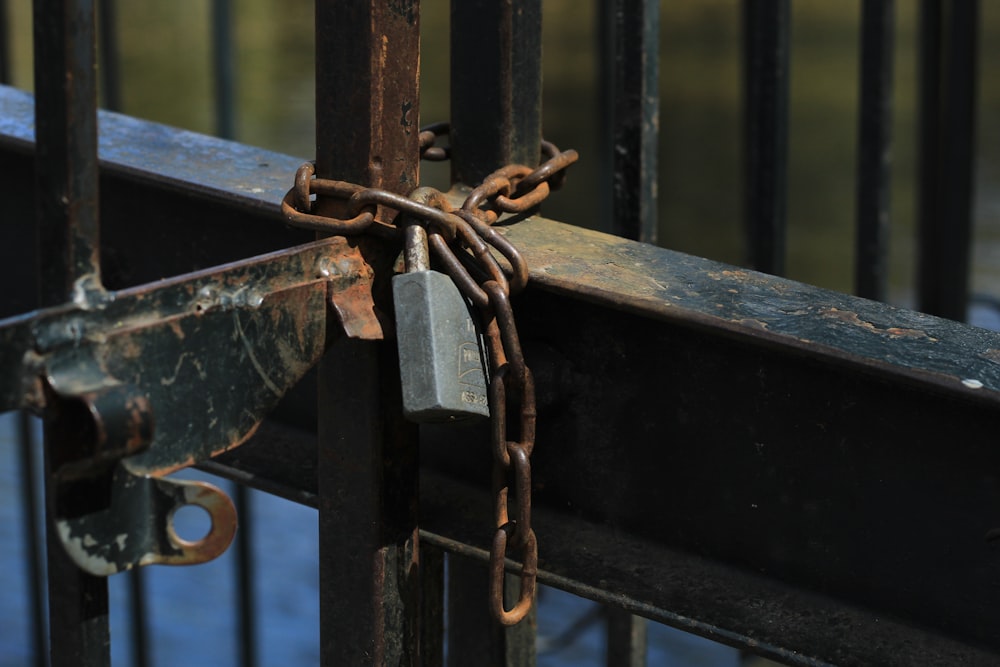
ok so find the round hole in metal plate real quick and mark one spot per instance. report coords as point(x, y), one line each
point(191, 523)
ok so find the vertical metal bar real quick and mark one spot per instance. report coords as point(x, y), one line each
point(630, 71)
point(32, 538)
point(246, 599)
point(139, 620)
point(765, 77)
point(67, 211)
point(474, 638)
point(630, 75)
point(66, 149)
point(871, 257)
point(626, 639)
point(369, 574)
point(432, 606)
point(367, 111)
point(223, 68)
point(496, 86)
point(948, 70)
point(110, 70)
point(5, 48)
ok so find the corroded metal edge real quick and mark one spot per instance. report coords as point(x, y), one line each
point(654, 282)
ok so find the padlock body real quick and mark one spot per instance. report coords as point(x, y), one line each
point(440, 362)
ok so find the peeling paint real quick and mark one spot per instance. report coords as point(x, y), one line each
point(852, 318)
point(752, 323)
point(77, 549)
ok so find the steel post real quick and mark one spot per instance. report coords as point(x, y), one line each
point(367, 123)
point(67, 218)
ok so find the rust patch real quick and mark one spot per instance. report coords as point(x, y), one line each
point(848, 317)
point(356, 311)
point(350, 297)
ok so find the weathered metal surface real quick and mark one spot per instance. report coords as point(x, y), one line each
point(137, 527)
point(833, 455)
point(566, 258)
point(850, 484)
point(367, 132)
point(681, 498)
point(240, 335)
point(247, 178)
point(67, 241)
point(66, 169)
point(114, 380)
point(901, 346)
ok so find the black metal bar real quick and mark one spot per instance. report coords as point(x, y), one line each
point(67, 218)
point(109, 54)
point(874, 185)
point(474, 638)
point(32, 538)
point(224, 68)
point(5, 48)
point(765, 80)
point(432, 606)
point(246, 598)
point(496, 86)
point(368, 551)
point(626, 639)
point(948, 73)
point(367, 122)
point(66, 153)
point(630, 96)
point(139, 622)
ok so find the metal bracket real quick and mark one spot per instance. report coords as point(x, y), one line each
point(210, 353)
point(138, 527)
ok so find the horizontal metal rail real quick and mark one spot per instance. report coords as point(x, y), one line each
point(780, 467)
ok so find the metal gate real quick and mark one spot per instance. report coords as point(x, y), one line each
point(804, 474)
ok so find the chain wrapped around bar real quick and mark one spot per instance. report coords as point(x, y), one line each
point(461, 240)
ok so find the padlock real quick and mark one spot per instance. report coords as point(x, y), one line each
point(440, 358)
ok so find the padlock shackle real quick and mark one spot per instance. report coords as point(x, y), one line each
point(415, 250)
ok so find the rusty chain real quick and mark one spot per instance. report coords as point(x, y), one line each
point(461, 239)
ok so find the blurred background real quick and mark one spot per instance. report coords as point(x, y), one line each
point(165, 75)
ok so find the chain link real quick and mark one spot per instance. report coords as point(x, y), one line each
point(461, 239)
